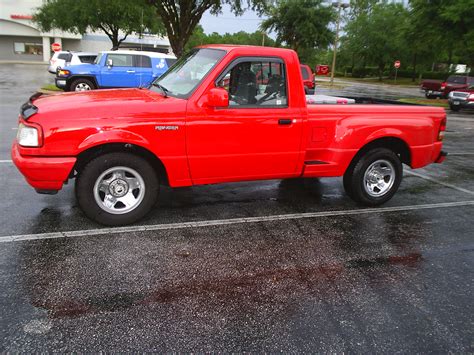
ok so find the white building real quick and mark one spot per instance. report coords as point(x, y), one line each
point(21, 40)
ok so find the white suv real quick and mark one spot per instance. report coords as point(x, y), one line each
point(61, 59)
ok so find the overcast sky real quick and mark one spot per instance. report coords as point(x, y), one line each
point(228, 22)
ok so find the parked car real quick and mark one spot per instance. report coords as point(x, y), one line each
point(189, 128)
point(436, 88)
point(115, 69)
point(461, 99)
point(61, 59)
point(308, 78)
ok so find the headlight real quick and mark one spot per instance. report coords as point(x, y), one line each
point(63, 72)
point(27, 136)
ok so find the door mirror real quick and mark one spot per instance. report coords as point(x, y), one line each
point(217, 97)
point(110, 63)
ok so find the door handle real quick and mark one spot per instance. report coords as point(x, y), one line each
point(131, 71)
point(285, 121)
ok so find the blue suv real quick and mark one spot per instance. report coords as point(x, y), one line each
point(115, 69)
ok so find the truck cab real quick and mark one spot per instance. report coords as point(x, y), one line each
point(115, 69)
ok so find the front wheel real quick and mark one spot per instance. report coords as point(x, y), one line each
point(374, 177)
point(82, 85)
point(117, 188)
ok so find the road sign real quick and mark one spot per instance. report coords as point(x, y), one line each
point(396, 64)
point(56, 47)
point(322, 69)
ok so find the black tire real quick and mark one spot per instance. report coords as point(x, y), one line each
point(306, 90)
point(354, 178)
point(454, 108)
point(427, 95)
point(76, 84)
point(90, 174)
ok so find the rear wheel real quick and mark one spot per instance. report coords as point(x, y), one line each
point(81, 85)
point(374, 177)
point(117, 188)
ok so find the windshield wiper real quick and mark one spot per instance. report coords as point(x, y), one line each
point(162, 88)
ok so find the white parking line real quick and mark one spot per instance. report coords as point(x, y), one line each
point(6, 161)
point(231, 221)
point(429, 178)
point(451, 154)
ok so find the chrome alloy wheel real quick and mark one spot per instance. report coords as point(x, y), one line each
point(119, 190)
point(82, 87)
point(379, 178)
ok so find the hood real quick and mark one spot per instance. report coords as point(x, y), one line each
point(100, 104)
point(85, 68)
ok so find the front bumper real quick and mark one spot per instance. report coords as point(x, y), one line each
point(461, 103)
point(45, 174)
point(61, 83)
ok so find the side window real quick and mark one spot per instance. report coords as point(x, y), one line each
point(87, 58)
point(121, 60)
point(256, 84)
point(170, 61)
point(142, 61)
point(65, 56)
point(304, 73)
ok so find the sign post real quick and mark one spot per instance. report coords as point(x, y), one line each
point(396, 65)
point(56, 47)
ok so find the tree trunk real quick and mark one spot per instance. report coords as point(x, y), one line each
point(381, 66)
point(413, 76)
point(115, 43)
point(180, 19)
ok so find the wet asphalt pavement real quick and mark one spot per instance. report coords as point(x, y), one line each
point(399, 279)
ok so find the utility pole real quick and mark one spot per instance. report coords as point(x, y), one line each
point(339, 6)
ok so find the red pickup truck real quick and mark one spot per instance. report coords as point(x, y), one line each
point(437, 88)
point(208, 120)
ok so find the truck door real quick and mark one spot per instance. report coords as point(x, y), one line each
point(257, 136)
point(121, 72)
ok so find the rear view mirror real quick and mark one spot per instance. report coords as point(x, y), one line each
point(110, 63)
point(217, 97)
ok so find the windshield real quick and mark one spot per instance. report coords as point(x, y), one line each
point(97, 59)
point(186, 74)
point(457, 80)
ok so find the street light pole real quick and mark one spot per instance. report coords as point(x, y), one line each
point(339, 6)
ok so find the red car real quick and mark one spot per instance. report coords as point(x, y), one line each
point(308, 78)
point(461, 99)
point(209, 120)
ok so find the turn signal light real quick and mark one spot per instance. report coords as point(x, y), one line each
point(442, 128)
point(63, 72)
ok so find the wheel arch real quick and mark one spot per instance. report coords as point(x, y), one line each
point(72, 78)
point(92, 152)
point(395, 144)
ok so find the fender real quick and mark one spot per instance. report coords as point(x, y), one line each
point(73, 77)
point(115, 136)
point(385, 133)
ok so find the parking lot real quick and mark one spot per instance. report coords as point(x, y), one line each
point(281, 265)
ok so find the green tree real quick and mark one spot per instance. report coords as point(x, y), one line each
point(458, 16)
point(180, 18)
point(256, 38)
point(301, 24)
point(110, 16)
point(376, 35)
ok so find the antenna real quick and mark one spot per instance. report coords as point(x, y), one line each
point(141, 47)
